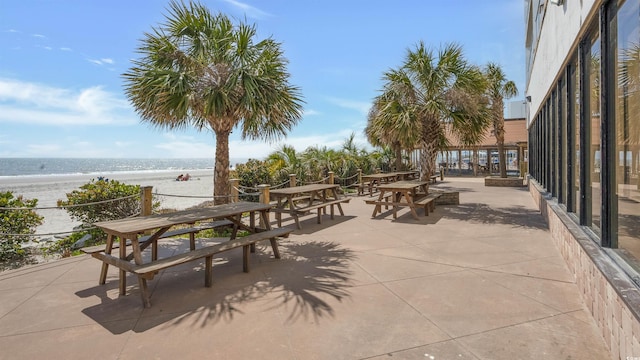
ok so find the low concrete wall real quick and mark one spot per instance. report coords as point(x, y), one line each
point(448, 198)
point(609, 293)
point(497, 181)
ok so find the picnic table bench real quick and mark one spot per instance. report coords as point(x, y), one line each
point(428, 202)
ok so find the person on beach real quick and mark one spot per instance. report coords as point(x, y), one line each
point(180, 177)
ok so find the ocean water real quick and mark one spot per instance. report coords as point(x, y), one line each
point(70, 166)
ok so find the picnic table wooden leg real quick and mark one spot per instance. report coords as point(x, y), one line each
point(335, 196)
point(208, 275)
point(265, 219)
point(192, 242)
point(142, 281)
point(295, 217)
point(123, 274)
point(252, 214)
point(154, 247)
point(378, 209)
point(144, 292)
point(105, 266)
point(274, 246)
point(396, 199)
point(412, 206)
point(245, 258)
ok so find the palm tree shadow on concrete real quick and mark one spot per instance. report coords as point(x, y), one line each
point(302, 282)
point(319, 270)
point(517, 216)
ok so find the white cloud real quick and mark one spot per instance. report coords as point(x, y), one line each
point(107, 61)
point(183, 148)
point(31, 103)
point(360, 106)
point(12, 31)
point(310, 112)
point(249, 10)
point(97, 62)
point(44, 148)
point(65, 49)
point(39, 36)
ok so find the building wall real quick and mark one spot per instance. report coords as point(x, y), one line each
point(558, 36)
point(584, 153)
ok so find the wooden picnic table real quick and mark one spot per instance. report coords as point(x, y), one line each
point(129, 231)
point(400, 193)
point(374, 180)
point(300, 200)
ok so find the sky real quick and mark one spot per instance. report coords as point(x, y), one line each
point(61, 66)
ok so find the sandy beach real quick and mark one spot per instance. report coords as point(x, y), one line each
point(48, 189)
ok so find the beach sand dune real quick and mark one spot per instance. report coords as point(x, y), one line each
point(48, 190)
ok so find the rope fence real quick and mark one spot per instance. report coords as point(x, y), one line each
point(238, 192)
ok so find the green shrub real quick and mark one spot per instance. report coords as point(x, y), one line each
point(100, 200)
point(251, 174)
point(16, 225)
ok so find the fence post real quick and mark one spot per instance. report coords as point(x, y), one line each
point(264, 199)
point(292, 180)
point(359, 176)
point(146, 198)
point(331, 177)
point(233, 189)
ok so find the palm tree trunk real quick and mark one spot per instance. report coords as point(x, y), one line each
point(475, 162)
point(221, 168)
point(502, 159)
point(429, 149)
point(398, 151)
point(498, 127)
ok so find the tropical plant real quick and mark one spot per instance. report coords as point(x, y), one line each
point(284, 162)
point(390, 121)
point(318, 162)
point(18, 221)
point(200, 70)
point(498, 89)
point(350, 158)
point(102, 200)
point(428, 94)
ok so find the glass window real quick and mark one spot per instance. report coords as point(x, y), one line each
point(575, 81)
point(626, 27)
point(562, 143)
point(593, 120)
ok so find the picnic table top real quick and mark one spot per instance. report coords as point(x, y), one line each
point(304, 188)
point(140, 224)
point(403, 185)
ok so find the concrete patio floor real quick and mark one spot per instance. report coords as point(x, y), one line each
point(480, 280)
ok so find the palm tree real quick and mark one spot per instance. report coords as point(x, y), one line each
point(429, 94)
point(389, 122)
point(499, 88)
point(199, 70)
